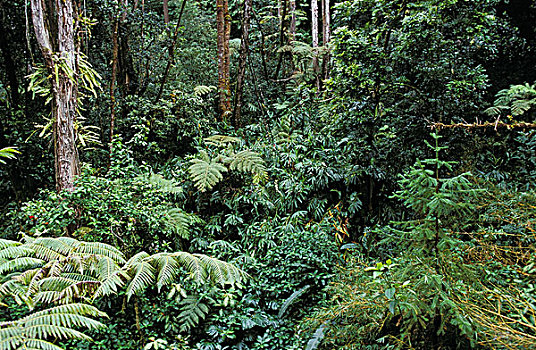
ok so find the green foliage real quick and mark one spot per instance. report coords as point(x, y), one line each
point(7, 153)
point(517, 100)
point(64, 270)
point(432, 294)
point(206, 172)
point(32, 331)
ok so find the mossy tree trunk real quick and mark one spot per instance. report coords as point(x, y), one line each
point(60, 57)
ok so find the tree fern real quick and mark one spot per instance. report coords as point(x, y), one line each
point(32, 331)
point(65, 270)
point(318, 335)
point(206, 173)
point(144, 276)
point(518, 99)
point(163, 185)
point(221, 140)
point(247, 161)
point(179, 222)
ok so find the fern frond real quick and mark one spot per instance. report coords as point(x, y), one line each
point(7, 153)
point(164, 185)
point(315, 341)
point(291, 299)
point(221, 140)
point(103, 249)
point(4, 243)
point(12, 252)
point(201, 90)
point(178, 222)
point(248, 161)
point(111, 284)
point(193, 310)
point(202, 267)
point(58, 322)
point(206, 174)
point(144, 277)
point(168, 269)
point(19, 264)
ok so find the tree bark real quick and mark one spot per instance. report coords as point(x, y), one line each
point(171, 57)
point(292, 27)
point(166, 11)
point(115, 53)
point(314, 32)
point(326, 36)
point(244, 48)
point(223, 20)
point(62, 65)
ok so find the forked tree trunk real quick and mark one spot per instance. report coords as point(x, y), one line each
point(223, 20)
point(244, 47)
point(62, 65)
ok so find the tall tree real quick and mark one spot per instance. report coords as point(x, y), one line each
point(244, 48)
point(326, 35)
point(55, 29)
point(314, 33)
point(166, 11)
point(292, 28)
point(223, 20)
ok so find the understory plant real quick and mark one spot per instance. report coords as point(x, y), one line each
point(426, 289)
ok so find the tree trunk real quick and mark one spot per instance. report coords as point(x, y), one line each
point(244, 47)
point(62, 65)
point(171, 51)
point(115, 53)
point(292, 28)
point(314, 29)
point(166, 11)
point(223, 20)
point(326, 36)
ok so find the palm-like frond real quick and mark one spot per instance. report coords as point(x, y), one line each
point(518, 99)
point(179, 222)
point(221, 140)
point(247, 161)
point(64, 270)
point(193, 310)
point(206, 173)
point(164, 185)
point(144, 277)
point(32, 331)
point(8, 153)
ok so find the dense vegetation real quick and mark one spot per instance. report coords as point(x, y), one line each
point(268, 175)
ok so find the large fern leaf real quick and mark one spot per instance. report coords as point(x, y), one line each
point(178, 221)
point(32, 331)
point(206, 173)
point(164, 185)
point(144, 277)
point(247, 161)
point(193, 310)
point(221, 140)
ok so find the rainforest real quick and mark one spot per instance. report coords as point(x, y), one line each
point(267, 174)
